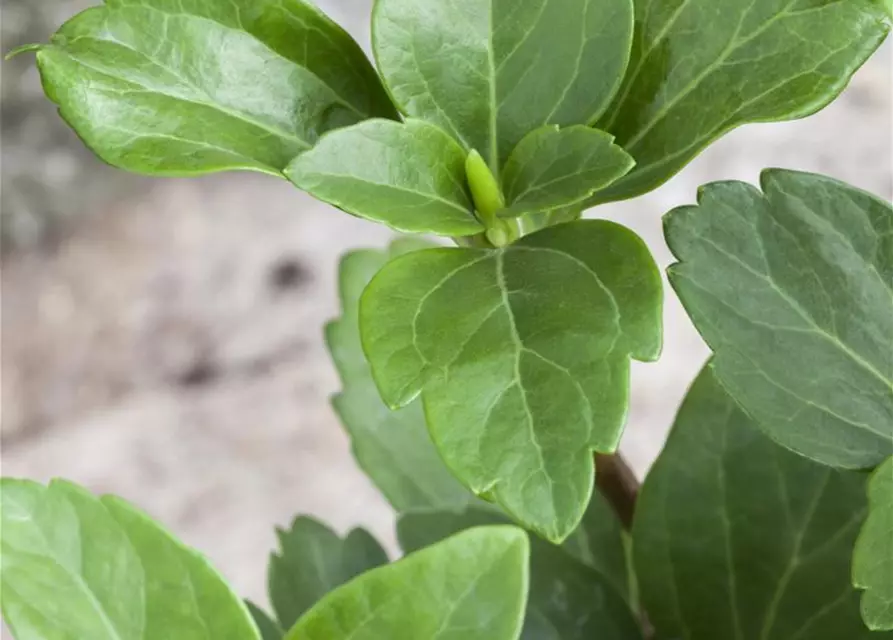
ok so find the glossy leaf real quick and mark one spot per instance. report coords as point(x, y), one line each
point(700, 68)
point(181, 88)
point(569, 599)
point(469, 587)
point(410, 176)
point(76, 566)
point(491, 71)
point(736, 538)
point(522, 357)
point(393, 448)
point(312, 561)
point(552, 168)
point(793, 291)
point(269, 628)
point(873, 559)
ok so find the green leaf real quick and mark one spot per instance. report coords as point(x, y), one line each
point(570, 599)
point(873, 557)
point(700, 68)
point(392, 447)
point(410, 176)
point(472, 586)
point(269, 628)
point(313, 561)
point(552, 168)
point(172, 87)
point(793, 291)
point(522, 357)
point(491, 71)
point(736, 537)
point(76, 566)
point(599, 543)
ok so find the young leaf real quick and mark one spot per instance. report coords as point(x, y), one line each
point(392, 447)
point(410, 176)
point(312, 561)
point(269, 628)
point(76, 566)
point(471, 586)
point(700, 68)
point(522, 358)
point(736, 537)
point(793, 291)
point(552, 168)
point(873, 558)
point(491, 71)
point(569, 599)
point(181, 88)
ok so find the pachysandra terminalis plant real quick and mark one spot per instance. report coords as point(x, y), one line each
point(480, 379)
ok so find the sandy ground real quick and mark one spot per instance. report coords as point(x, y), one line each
point(168, 349)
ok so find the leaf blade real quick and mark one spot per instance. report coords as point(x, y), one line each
point(472, 585)
point(873, 556)
point(796, 279)
point(159, 88)
point(463, 327)
point(410, 176)
point(515, 74)
point(79, 566)
point(701, 68)
point(553, 168)
point(755, 500)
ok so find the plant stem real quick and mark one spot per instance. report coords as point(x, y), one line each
point(618, 484)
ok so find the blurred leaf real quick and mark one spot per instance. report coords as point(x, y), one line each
point(269, 628)
point(471, 586)
point(76, 566)
point(312, 561)
point(873, 559)
point(392, 447)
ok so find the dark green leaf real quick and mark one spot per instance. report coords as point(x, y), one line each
point(737, 538)
point(522, 357)
point(76, 566)
point(793, 291)
point(269, 628)
point(392, 447)
point(700, 68)
point(568, 599)
point(491, 71)
point(873, 558)
point(183, 87)
point(410, 176)
point(313, 561)
point(599, 543)
point(552, 168)
point(470, 587)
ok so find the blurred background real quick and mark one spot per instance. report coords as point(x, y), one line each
point(161, 339)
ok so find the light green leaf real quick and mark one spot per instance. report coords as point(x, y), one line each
point(793, 291)
point(410, 176)
point(737, 538)
point(522, 358)
point(393, 448)
point(470, 587)
point(76, 566)
point(873, 558)
point(700, 68)
point(491, 71)
point(552, 168)
point(185, 87)
point(269, 628)
point(570, 598)
point(312, 561)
